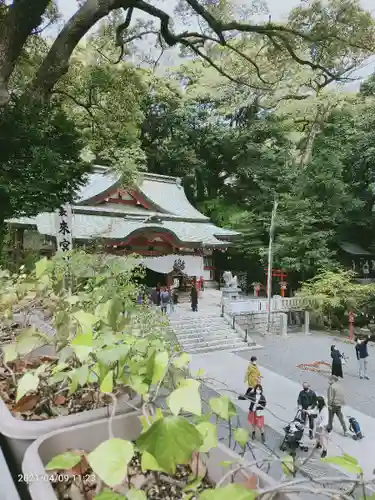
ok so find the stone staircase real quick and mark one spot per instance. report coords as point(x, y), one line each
point(206, 333)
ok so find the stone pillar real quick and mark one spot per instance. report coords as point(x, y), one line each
point(307, 322)
point(284, 324)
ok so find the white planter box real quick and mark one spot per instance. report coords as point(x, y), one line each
point(88, 436)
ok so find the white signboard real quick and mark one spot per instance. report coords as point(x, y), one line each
point(64, 219)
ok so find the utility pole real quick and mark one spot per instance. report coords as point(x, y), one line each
point(269, 270)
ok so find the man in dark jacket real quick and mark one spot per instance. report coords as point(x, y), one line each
point(307, 403)
point(362, 355)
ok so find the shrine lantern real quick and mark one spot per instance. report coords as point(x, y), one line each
point(256, 287)
point(283, 287)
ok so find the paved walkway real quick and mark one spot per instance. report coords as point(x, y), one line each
point(227, 370)
point(282, 355)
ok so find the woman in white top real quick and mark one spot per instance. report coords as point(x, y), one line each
point(321, 426)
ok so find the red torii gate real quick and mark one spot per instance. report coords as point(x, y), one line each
point(278, 273)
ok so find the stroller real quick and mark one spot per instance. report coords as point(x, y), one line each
point(294, 434)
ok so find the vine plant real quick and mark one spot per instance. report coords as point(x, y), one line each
point(107, 344)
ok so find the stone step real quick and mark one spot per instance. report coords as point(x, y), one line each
point(210, 334)
point(200, 322)
point(213, 343)
point(202, 328)
point(223, 347)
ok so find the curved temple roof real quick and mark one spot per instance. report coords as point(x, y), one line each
point(164, 194)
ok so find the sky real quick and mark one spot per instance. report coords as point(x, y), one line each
point(277, 8)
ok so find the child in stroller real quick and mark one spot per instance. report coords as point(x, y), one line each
point(294, 434)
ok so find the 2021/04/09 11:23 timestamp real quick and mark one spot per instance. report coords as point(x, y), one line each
point(54, 478)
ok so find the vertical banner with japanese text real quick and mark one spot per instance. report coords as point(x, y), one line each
point(64, 220)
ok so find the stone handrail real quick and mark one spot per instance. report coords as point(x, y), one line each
point(260, 305)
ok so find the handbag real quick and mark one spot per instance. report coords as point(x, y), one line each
point(259, 413)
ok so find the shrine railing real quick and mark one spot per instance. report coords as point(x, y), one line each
point(260, 305)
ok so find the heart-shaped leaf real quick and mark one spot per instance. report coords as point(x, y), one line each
point(208, 432)
point(65, 461)
point(10, 352)
point(110, 460)
point(241, 436)
point(223, 407)
point(160, 366)
point(232, 492)
point(27, 383)
point(186, 397)
point(171, 441)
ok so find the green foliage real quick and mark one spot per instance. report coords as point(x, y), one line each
point(232, 491)
point(40, 165)
point(223, 407)
point(171, 441)
point(110, 459)
point(334, 295)
point(64, 461)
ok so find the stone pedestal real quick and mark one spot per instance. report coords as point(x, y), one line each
point(307, 322)
point(230, 293)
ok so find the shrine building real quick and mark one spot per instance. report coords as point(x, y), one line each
point(154, 220)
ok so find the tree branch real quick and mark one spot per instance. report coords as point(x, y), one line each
point(16, 25)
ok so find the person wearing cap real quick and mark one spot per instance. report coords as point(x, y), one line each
point(335, 402)
point(253, 376)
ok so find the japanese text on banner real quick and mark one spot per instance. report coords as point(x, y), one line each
point(64, 219)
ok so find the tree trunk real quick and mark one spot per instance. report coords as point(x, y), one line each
point(56, 63)
point(21, 18)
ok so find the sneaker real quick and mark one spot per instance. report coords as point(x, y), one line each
point(311, 434)
point(345, 433)
point(253, 435)
point(367, 378)
point(324, 454)
point(318, 446)
point(263, 437)
point(361, 378)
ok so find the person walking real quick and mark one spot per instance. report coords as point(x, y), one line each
point(194, 297)
point(256, 411)
point(361, 351)
point(335, 402)
point(174, 300)
point(307, 403)
point(253, 376)
point(164, 300)
point(321, 423)
point(337, 359)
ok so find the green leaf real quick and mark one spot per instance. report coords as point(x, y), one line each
point(160, 366)
point(110, 459)
point(171, 441)
point(80, 375)
point(241, 436)
point(186, 397)
point(73, 299)
point(109, 495)
point(208, 432)
point(41, 267)
point(148, 462)
point(29, 339)
point(85, 320)
point(113, 354)
point(10, 352)
point(346, 462)
point(182, 360)
point(230, 492)
point(27, 383)
point(158, 415)
point(64, 461)
point(137, 384)
point(287, 465)
point(136, 495)
point(82, 346)
point(223, 407)
point(107, 384)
